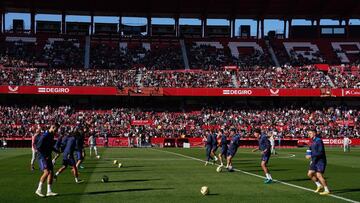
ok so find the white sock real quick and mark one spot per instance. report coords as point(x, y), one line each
point(76, 179)
point(318, 183)
point(48, 188)
point(268, 176)
point(57, 173)
point(326, 189)
point(40, 186)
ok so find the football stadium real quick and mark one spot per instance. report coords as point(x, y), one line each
point(180, 101)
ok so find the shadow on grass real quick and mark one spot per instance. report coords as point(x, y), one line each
point(113, 166)
point(346, 190)
point(248, 163)
point(117, 191)
point(133, 166)
point(260, 170)
point(296, 180)
point(114, 171)
point(211, 194)
point(123, 181)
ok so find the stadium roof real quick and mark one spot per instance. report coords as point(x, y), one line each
point(268, 9)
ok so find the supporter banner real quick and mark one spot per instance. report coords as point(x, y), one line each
point(196, 142)
point(157, 140)
point(141, 122)
point(58, 90)
point(346, 123)
point(231, 67)
point(119, 142)
point(322, 67)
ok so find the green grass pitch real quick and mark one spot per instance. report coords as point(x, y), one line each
point(176, 175)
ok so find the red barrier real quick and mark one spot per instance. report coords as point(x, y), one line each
point(241, 92)
point(337, 92)
point(58, 90)
point(232, 92)
point(194, 142)
point(330, 141)
point(351, 93)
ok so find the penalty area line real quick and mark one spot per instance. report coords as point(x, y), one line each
point(259, 176)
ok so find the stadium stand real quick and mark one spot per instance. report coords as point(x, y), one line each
point(285, 121)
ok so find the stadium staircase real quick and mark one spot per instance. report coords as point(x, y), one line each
point(138, 79)
point(272, 53)
point(234, 81)
point(327, 51)
point(330, 81)
point(184, 54)
point(38, 78)
point(87, 52)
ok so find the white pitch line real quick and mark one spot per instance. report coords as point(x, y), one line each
point(259, 176)
point(284, 157)
point(145, 159)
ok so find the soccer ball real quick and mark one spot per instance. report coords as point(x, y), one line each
point(219, 169)
point(98, 156)
point(120, 165)
point(105, 179)
point(115, 162)
point(204, 190)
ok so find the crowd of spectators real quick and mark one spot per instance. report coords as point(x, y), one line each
point(68, 77)
point(208, 57)
point(55, 54)
point(64, 54)
point(345, 78)
point(18, 54)
point(18, 76)
point(290, 122)
point(90, 77)
point(285, 77)
point(113, 57)
point(276, 77)
point(209, 79)
point(299, 60)
point(256, 59)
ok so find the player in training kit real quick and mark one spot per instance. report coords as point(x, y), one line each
point(233, 147)
point(68, 157)
point(265, 148)
point(224, 146)
point(318, 162)
point(208, 146)
point(59, 148)
point(44, 146)
point(272, 143)
point(34, 138)
point(4, 143)
point(346, 143)
point(79, 147)
point(214, 147)
point(92, 143)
